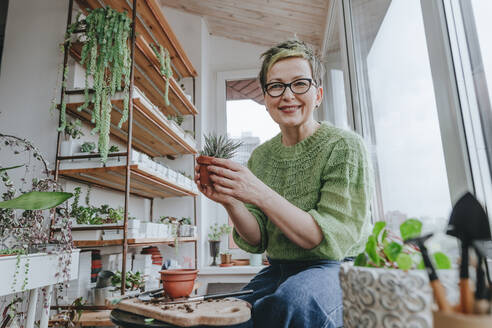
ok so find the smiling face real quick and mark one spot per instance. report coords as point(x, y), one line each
point(292, 110)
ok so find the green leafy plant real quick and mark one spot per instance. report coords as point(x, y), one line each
point(386, 250)
point(178, 119)
point(106, 56)
point(72, 129)
point(88, 147)
point(114, 149)
point(219, 146)
point(134, 281)
point(13, 251)
point(185, 220)
point(165, 68)
point(216, 231)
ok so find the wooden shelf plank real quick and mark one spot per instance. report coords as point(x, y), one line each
point(142, 183)
point(131, 242)
point(152, 25)
point(151, 134)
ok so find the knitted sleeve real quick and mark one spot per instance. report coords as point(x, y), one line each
point(343, 210)
point(261, 218)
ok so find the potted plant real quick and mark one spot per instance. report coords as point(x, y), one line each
point(225, 259)
point(71, 132)
point(218, 147)
point(387, 278)
point(184, 229)
point(215, 233)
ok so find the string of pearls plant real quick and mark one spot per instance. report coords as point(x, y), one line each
point(165, 68)
point(106, 57)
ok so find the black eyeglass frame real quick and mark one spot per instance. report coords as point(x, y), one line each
point(289, 85)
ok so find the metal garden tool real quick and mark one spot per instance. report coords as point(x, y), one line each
point(202, 298)
point(139, 295)
point(437, 287)
point(468, 222)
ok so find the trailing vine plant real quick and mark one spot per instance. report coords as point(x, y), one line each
point(106, 57)
point(165, 67)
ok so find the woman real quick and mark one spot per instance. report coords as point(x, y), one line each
point(304, 198)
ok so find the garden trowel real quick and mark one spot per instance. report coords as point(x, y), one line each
point(468, 223)
point(437, 287)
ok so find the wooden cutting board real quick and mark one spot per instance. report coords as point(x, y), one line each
point(220, 312)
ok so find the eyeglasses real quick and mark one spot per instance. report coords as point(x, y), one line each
point(299, 87)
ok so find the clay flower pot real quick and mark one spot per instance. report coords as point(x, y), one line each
point(204, 161)
point(178, 282)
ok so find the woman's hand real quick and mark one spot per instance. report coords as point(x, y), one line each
point(210, 192)
point(234, 180)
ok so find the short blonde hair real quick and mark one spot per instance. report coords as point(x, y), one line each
point(287, 49)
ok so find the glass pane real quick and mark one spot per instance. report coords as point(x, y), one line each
point(399, 112)
point(334, 84)
point(247, 117)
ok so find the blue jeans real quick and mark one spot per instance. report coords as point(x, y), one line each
point(296, 294)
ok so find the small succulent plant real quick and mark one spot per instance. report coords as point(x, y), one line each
point(219, 146)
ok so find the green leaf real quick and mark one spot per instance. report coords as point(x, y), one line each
point(404, 261)
point(411, 228)
point(392, 250)
point(421, 265)
point(371, 250)
point(36, 200)
point(9, 168)
point(378, 226)
point(149, 320)
point(442, 261)
point(361, 260)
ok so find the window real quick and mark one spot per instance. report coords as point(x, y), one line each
point(399, 118)
point(472, 52)
point(246, 117)
point(334, 54)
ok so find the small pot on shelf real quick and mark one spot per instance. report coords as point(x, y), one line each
point(214, 250)
point(204, 161)
point(226, 258)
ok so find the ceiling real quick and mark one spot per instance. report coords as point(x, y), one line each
point(262, 22)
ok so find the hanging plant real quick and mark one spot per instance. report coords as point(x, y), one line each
point(165, 68)
point(106, 57)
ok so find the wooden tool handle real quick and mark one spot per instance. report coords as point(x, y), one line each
point(466, 296)
point(440, 296)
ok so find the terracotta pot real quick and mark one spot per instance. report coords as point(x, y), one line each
point(225, 258)
point(204, 161)
point(179, 282)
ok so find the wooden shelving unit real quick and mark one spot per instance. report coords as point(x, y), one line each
point(151, 134)
point(146, 130)
point(132, 242)
point(149, 80)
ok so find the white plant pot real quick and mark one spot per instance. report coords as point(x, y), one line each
point(66, 147)
point(375, 297)
point(87, 235)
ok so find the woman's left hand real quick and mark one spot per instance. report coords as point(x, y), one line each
point(235, 180)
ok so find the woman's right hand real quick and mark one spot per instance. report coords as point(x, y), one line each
point(210, 191)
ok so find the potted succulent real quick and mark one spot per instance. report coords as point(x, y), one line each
point(225, 259)
point(184, 229)
point(385, 279)
point(218, 147)
point(214, 235)
point(71, 132)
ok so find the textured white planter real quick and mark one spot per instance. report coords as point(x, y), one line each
point(383, 298)
point(41, 273)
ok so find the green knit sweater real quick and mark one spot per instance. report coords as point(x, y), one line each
point(327, 175)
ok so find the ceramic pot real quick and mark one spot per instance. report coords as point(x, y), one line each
point(204, 161)
point(376, 297)
point(178, 282)
point(225, 258)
